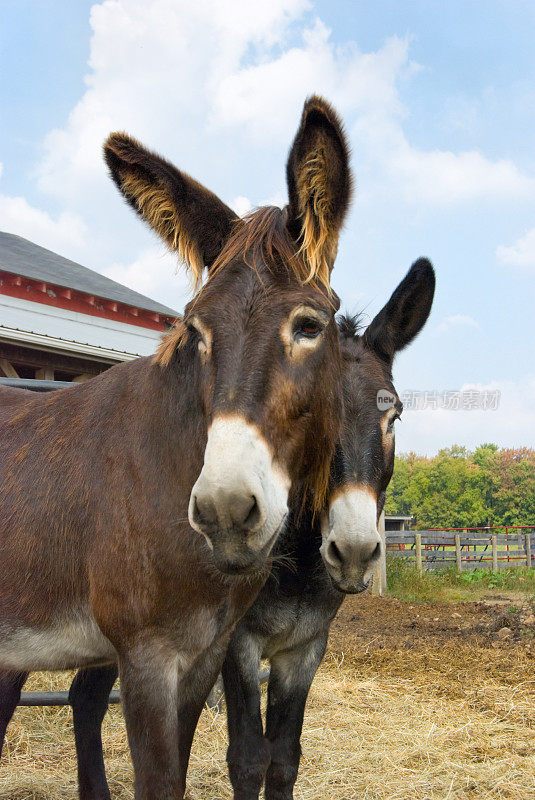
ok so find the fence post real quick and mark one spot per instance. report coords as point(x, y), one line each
point(418, 545)
point(379, 584)
point(494, 553)
point(528, 549)
point(458, 555)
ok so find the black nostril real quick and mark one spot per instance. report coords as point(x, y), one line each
point(334, 553)
point(203, 512)
point(376, 552)
point(197, 517)
point(253, 516)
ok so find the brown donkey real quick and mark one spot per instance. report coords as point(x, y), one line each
point(138, 510)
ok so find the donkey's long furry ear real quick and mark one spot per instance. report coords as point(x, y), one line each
point(405, 314)
point(189, 218)
point(319, 186)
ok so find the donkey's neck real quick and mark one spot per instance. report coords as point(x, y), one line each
point(136, 418)
point(297, 558)
point(163, 412)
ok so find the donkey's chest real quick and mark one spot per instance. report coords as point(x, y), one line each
point(292, 631)
point(291, 611)
point(291, 623)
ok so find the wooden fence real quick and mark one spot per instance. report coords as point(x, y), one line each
point(467, 549)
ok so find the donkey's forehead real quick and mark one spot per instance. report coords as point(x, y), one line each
point(363, 365)
point(365, 375)
point(242, 295)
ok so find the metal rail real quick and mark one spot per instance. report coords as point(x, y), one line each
point(35, 385)
point(56, 698)
point(62, 698)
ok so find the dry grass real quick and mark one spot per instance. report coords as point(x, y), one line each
point(428, 720)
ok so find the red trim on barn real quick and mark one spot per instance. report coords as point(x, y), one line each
point(14, 285)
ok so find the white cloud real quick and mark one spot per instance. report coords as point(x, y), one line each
point(245, 86)
point(436, 177)
point(446, 177)
point(521, 253)
point(363, 86)
point(461, 113)
point(241, 205)
point(66, 234)
point(154, 70)
point(512, 424)
point(155, 273)
point(266, 98)
point(457, 321)
point(149, 75)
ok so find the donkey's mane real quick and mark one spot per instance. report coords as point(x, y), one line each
point(171, 341)
point(351, 325)
point(262, 238)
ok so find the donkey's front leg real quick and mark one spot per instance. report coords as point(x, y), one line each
point(11, 684)
point(248, 752)
point(292, 673)
point(193, 691)
point(88, 697)
point(149, 672)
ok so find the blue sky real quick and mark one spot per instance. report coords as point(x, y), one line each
point(439, 105)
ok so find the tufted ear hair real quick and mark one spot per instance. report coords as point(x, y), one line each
point(405, 314)
point(319, 186)
point(190, 219)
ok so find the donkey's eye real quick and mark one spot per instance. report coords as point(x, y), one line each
point(309, 328)
point(390, 426)
point(195, 333)
point(202, 334)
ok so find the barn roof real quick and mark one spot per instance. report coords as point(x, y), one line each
point(29, 260)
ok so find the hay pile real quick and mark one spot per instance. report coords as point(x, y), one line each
point(434, 721)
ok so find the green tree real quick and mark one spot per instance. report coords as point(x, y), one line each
point(462, 489)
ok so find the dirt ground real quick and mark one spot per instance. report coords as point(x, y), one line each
point(413, 702)
point(368, 625)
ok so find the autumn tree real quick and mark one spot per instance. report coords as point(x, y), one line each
point(458, 488)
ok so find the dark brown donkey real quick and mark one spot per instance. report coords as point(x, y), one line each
point(138, 510)
point(289, 621)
